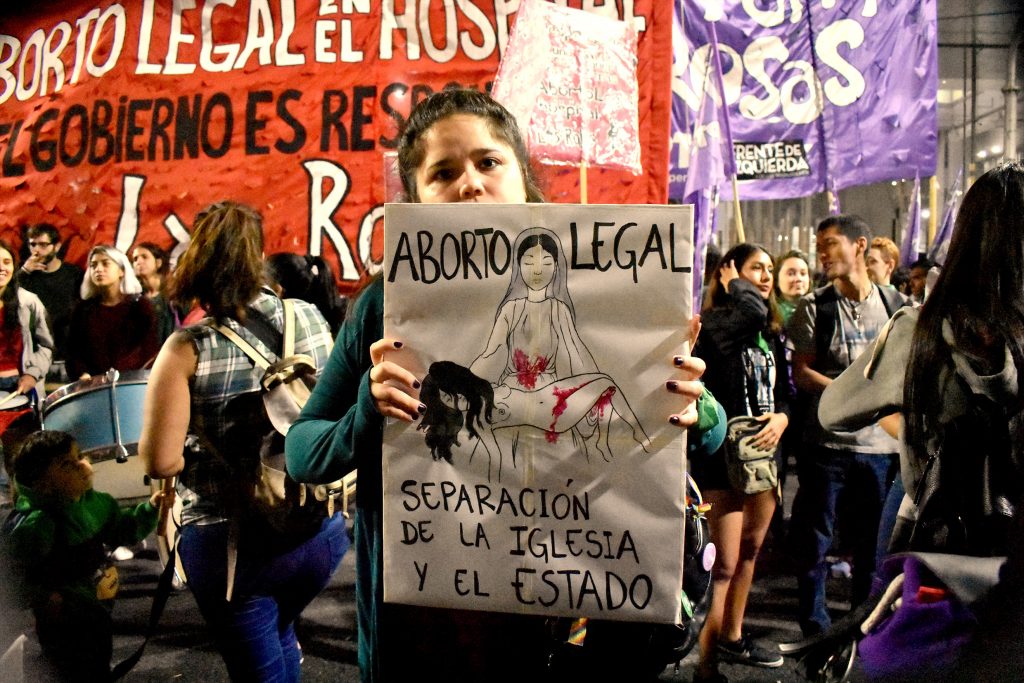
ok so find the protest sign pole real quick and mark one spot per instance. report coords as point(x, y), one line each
point(737, 216)
point(933, 207)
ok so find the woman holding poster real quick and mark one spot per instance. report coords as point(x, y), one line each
point(747, 372)
point(458, 145)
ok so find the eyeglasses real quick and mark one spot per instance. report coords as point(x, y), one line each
point(39, 244)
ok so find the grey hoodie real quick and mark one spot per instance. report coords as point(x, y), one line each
point(872, 387)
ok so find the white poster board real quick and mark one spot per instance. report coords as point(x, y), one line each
point(569, 498)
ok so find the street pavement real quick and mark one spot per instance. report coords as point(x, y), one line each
point(182, 650)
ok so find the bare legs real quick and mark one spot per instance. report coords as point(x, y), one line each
point(738, 526)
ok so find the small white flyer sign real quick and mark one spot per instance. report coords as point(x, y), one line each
point(543, 476)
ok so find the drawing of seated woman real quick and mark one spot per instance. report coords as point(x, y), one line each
point(534, 339)
point(455, 398)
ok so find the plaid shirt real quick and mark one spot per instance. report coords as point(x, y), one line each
point(223, 371)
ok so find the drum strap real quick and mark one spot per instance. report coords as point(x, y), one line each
point(163, 591)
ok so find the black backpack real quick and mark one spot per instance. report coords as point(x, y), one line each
point(826, 314)
point(968, 497)
point(267, 505)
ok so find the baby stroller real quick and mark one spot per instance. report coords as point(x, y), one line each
point(913, 627)
point(591, 649)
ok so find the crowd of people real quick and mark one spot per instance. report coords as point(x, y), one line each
point(779, 341)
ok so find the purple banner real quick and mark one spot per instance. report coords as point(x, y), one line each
point(857, 109)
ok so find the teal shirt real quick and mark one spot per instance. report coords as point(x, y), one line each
point(338, 431)
point(50, 526)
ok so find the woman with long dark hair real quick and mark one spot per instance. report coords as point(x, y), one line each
point(197, 379)
point(958, 356)
point(309, 278)
point(747, 372)
point(458, 145)
point(153, 268)
point(26, 346)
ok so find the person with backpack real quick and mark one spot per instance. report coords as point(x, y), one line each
point(831, 328)
point(205, 422)
point(953, 370)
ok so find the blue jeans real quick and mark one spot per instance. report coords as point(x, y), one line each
point(255, 632)
point(890, 511)
point(824, 474)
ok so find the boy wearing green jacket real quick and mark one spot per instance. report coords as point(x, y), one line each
point(57, 542)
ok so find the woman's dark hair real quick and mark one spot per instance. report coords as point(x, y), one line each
point(717, 296)
point(441, 422)
point(40, 450)
point(9, 321)
point(900, 279)
point(222, 268)
point(311, 279)
point(979, 293)
point(450, 102)
point(160, 254)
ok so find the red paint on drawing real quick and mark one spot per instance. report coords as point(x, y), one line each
point(527, 371)
point(561, 403)
point(603, 401)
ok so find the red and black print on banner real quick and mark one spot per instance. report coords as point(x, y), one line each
point(119, 121)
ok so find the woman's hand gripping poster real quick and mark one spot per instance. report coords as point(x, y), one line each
point(543, 476)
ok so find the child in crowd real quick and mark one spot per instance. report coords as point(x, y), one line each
point(57, 542)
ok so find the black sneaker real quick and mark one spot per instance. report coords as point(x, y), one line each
point(745, 651)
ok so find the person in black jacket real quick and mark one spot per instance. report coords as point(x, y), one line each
point(746, 371)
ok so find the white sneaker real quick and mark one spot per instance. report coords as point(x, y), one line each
point(122, 553)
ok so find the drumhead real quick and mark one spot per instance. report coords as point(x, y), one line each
point(101, 382)
point(16, 402)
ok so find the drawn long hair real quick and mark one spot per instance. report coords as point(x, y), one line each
point(559, 286)
point(441, 422)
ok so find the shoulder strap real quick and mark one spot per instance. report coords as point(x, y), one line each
point(891, 299)
point(248, 349)
point(289, 328)
point(245, 347)
point(826, 316)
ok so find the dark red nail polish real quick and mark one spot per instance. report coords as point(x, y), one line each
point(671, 385)
point(674, 419)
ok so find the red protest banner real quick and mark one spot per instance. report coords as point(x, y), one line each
point(119, 122)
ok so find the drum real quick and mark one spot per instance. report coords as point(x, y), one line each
point(104, 414)
point(18, 419)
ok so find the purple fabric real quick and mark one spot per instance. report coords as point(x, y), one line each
point(911, 246)
point(920, 637)
point(711, 157)
point(705, 222)
point(878, 76)
point(940, 246)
